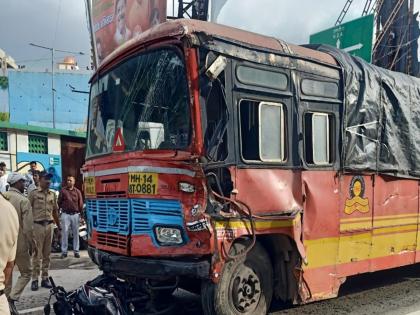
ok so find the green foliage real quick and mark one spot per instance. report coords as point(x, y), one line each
point(4, 116)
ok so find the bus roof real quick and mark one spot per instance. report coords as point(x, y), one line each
point(187, 28)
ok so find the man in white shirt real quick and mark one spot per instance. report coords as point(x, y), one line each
point(3, 178)
point(9, 229)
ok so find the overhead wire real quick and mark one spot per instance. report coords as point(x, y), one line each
point(56, 22)
point(395, 48)
point(396, 55)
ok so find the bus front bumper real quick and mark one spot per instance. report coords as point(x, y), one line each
point(141, 267)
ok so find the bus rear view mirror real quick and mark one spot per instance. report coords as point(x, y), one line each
point(216, 67)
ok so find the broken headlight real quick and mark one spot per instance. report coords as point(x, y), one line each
point(167, 235)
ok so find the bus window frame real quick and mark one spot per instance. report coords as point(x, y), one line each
point(105, 69)
point(282, 132)
point(319, 80)
point(285, 146)
point(259, 88)
point(261, 68)
point(334, 128)
point(331, 106)
point(330, 137)
point(317, 98)
point(258, 94)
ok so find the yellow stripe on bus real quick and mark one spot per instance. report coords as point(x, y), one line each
point(382, 217)
point(394, 229)
point(385, 238)
point(349, 248)
point(377, 223)
point(270, 224)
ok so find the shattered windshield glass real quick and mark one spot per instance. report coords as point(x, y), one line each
point(144, 101)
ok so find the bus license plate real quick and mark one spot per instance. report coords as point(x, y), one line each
point(142, 183)
point(90, 189)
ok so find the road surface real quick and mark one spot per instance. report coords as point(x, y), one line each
point(387, 293)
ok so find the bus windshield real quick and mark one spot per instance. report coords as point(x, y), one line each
point(146, 99)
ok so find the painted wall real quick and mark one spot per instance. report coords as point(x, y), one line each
point(18, 157)
point(9, 156)
point(30, 99)
point(48, 162)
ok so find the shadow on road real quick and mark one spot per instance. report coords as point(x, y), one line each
point(379, 279)
point(356, 285)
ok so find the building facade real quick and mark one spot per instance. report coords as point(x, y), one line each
point(28, 134)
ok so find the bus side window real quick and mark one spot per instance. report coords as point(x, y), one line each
point(262, 131)
point(318, 138)
point(215, 138)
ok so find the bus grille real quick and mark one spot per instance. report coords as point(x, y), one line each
point(109, 215)
point(115, 219)
point(149, 212)
point(112, 240)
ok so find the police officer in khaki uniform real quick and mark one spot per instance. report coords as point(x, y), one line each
point(9, 230)
point(26, 241)
point(45, 213)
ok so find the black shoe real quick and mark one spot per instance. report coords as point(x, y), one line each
point(12, 307)
point(76, 255)
point(46, 284)
point(63, 255)
point(34, 285)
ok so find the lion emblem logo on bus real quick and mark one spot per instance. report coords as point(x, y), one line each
point(357, 201)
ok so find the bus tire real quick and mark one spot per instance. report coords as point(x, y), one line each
point(245, 286)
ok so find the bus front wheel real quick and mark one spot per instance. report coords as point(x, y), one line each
point(245, 286)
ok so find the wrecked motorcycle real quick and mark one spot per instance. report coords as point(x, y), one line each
point(106, 295)
point(88, 299)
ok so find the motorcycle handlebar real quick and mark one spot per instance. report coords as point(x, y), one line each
point(52, 282)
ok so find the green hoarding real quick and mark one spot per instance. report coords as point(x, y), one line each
point(355, 37)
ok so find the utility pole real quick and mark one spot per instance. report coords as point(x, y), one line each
point(53, 50)
point(397, 34)
point(88, 4)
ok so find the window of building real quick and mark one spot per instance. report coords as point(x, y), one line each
point(4, 145)
point(262, 131)
point(38, 143)
point(318, 138)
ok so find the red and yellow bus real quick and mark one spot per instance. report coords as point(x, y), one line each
point(226, 161)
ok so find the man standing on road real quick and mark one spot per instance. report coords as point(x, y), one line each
point(25, 243)
point(45, 213)
point(33, 167)
point(3, 178)
point(71, 203)
point(35, 184)
point(9, 229)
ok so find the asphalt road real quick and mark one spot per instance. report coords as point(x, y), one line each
point(390, 292)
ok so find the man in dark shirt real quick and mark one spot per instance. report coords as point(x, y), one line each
point(70, 201)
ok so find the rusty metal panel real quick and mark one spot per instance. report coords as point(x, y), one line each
point(395, 219)
point(188, 28)
point(269, 191)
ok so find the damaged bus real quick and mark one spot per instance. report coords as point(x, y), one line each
point(248, 169)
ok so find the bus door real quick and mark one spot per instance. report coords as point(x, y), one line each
point(355, 224)
point(265, 180)
point(395, 220)
point(320, 185)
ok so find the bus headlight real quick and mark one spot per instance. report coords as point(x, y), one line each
point(168, 235)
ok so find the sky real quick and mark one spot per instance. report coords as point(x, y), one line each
point(62, 24)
